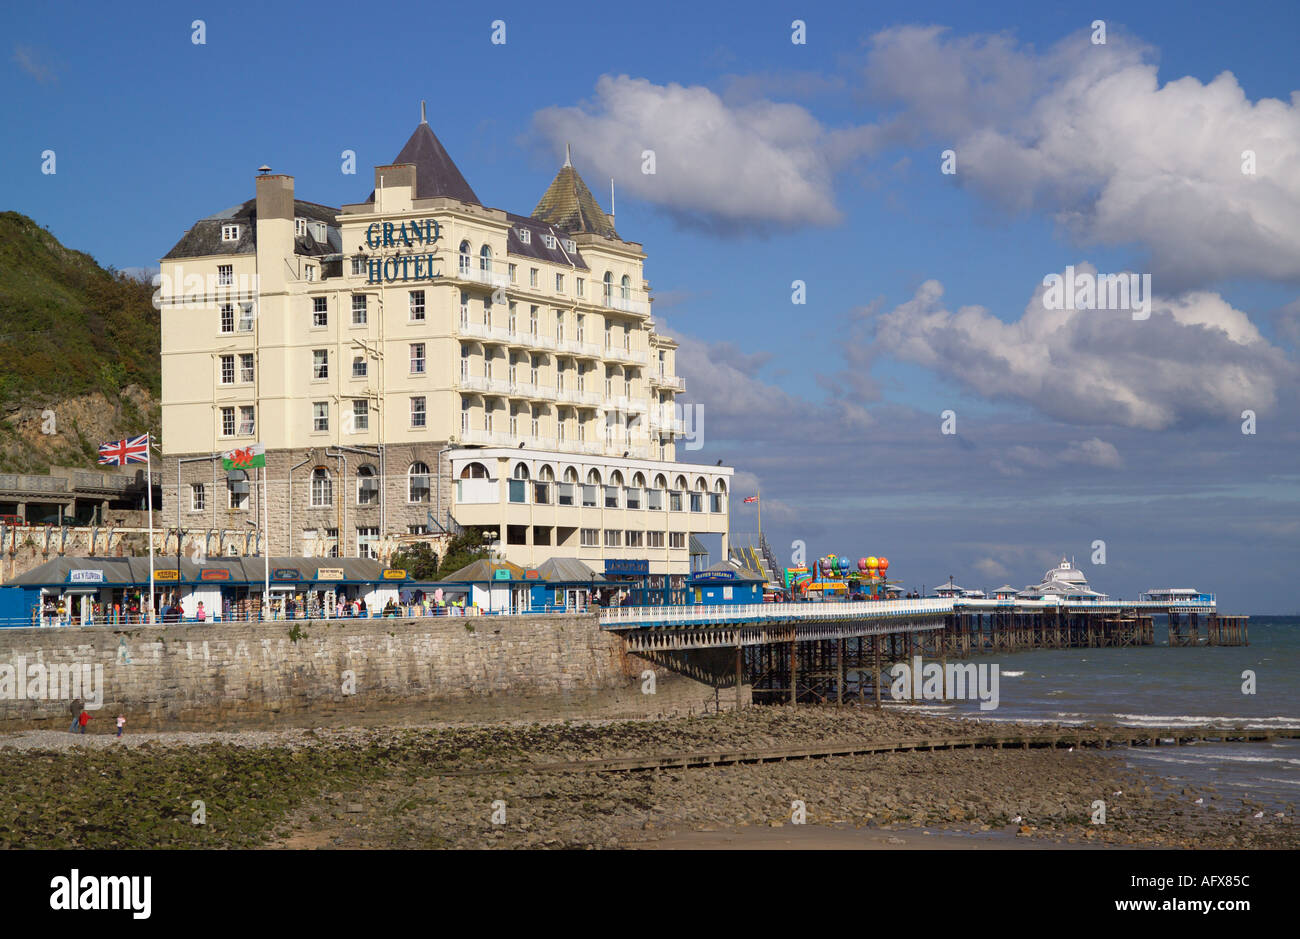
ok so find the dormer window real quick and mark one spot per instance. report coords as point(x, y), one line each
point(550, 241)
point(300, 227)
point(525, 236)
point(229, 232)
point(570, 245)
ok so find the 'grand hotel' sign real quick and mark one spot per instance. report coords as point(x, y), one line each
point(405, 267)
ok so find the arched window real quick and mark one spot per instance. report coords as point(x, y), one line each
point(521, 471)
point(464, 258)
point(485, 258)
point(593, 477)
point(626, 285)
point(322, 488)
point(546, 474)
point(680, 482)
point(661, 482)
point(367, 485)
point(616, 478)
point(720, 486)
point(417, 483)
point(474, 471)
point(638, 480)
point(609, 286)
point(570, 475)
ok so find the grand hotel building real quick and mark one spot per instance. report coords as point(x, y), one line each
point(419, 361)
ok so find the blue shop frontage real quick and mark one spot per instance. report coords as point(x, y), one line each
point(495, 586)
point(112, 591)
point(726, 583)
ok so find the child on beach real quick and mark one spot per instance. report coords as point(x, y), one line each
point(121, 722)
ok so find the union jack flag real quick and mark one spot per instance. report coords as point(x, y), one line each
point(120, 452)
point(751, 498)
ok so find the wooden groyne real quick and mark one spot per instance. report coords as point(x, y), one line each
point(1101, 739)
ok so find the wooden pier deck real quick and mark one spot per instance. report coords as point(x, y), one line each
point(1100, 739)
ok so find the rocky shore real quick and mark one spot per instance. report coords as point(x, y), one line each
point(468, 786)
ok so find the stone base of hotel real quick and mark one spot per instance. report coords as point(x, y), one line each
point(345, 672)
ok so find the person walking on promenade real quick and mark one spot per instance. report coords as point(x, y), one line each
point(121, 722)
point(200, 614)
point(83, 719)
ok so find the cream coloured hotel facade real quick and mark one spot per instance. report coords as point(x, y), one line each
point(419, 361)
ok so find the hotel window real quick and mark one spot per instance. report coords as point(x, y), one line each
point(559, 325)
point(417, 411)
point(613, 538)
point(227, 422)
point(367, 538)
point(247, 427)
point(227, 317)
point(246, 368)
point(320, 411)
point(464, 363)
point(625, 286)
point(674, 501)
point(417, 305)
point(582, 318)
point(236, 500)
point(525, 236)
point(227, 370)
point(654, 539)
point(367, 485)
point(359, 367)
point(611, 497)
point(562, 418)
point(487, 312)
point(536, 418)
point(229, 232)
point(549, 240)
point(225, 274)
point(310, 272)
point(322, 488)
point(570, 245)
point(609, 336)
point(512, 317)
point(514, 272)
point(360, 415)
point(417, 358)
point(532, 375)
point(677, 539)
point(485, 261)
point(590, 538)
point(697, 502)
point(532, 277)
point(581, 284)
point(514, 415)
point(715, 502)
point(417, 529)
point(608, 285)
point(635, 539)
point(197, 497)
point(564, 494)
point(319, 312)
point(246, 317)
point(654, 499)
point(358, 266)
point(417, 489)
point(588, 496)
point(358, 309)
point(559, 283)
point(532, 322)
point(464, 310)
point(320, 364)
point(464, 266)
point(632, 498)
point(464, 415)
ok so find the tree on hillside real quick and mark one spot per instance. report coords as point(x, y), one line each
point(418, 560)
point(465, 548)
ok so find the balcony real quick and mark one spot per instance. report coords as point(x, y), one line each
point(477, 271)
point(671, 382)
point(626, 304)
point(488, 438)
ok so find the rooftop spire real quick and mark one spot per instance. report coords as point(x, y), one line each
point(568, 161)
point(423, 118)
point(569, 205)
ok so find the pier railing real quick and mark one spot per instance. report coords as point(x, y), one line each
point(629, 617)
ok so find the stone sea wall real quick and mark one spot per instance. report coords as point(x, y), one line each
point(340, 671)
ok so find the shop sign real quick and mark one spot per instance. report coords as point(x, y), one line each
point(213, 573)
point(394, 573)
point(166, 575)
point(85, 577)
point(329, 573)
point(626, 566)
point(286, 573)
point(501, 574)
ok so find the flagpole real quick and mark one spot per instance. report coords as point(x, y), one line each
point(148, 451)
point(759, 493)
point(266, 550)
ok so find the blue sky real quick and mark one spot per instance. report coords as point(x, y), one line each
point(832, 407)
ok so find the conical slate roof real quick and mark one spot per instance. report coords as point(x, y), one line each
point(569, 204)
point(436, 174)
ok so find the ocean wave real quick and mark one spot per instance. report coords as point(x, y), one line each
point(1010, 674)
point(1200, 720)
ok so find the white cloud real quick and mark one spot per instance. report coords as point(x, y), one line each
point(718, 165)
point(1088, 134)
point(29, 60)
point(1195, 359)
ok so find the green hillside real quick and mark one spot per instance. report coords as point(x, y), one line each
point(70, 329)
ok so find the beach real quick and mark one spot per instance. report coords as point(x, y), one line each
point(476, 785)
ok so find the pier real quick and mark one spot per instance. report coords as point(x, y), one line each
point(837, 652)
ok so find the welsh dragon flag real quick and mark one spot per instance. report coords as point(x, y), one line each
point(244, 458)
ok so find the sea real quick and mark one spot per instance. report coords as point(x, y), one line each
point(1160, 686)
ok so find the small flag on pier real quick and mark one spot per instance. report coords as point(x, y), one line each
point(751, 498)
point(121, 452)
point(248, 457)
